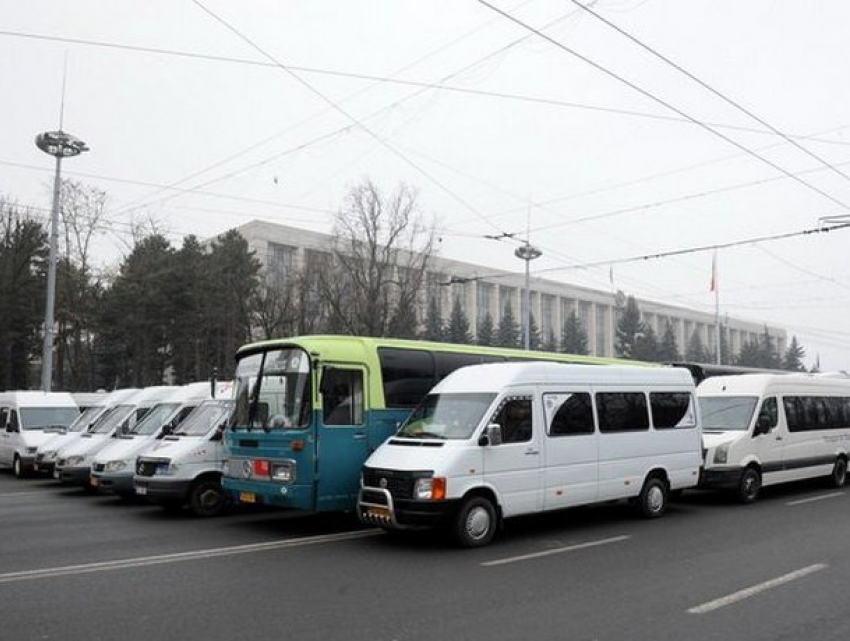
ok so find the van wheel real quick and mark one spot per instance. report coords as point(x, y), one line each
point(749, 485)
point(18, 468)
point(839, 473)
point(206, 498)
point(475, 523)
point(652, 500)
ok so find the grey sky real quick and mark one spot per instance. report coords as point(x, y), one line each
point(483, 164)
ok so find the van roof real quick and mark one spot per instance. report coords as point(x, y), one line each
point(495, 376)
point(37, 398)
point(759, 384)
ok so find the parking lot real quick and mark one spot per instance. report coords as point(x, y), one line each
point(75, 566)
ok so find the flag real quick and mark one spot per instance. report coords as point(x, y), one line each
point(713, 286)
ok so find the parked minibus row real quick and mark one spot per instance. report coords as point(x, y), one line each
point(413, 434)
point(112, 445)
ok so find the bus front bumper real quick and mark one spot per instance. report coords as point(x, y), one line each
point(376, 506)
point(298, 497)
point(162, 490)
point(720, 478)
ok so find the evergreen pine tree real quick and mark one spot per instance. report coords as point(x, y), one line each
point(507, 335)
point(485, 331)
point(573, 336)
point(750, 355)
point(457, 329)
point(668, 351)
point(793, 360)
point(646, 345)
point(533, 333)
point(433, 323)
point(550, 344)
point(696, 352)
point(770, 357)
point(629, 326)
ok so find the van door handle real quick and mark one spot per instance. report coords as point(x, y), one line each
point(778, 438)
point(532, 452)
point(359, 436)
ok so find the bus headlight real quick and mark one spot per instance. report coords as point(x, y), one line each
point(284, 472)
point(721, 453)
point(73, 461)
point(430, 489)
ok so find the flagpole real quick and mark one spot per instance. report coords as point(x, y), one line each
point(716, 308)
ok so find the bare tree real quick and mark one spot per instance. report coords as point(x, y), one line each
point(381, 250)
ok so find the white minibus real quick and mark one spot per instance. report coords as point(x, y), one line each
point(499, 440)
point(28, 419)
point(761, 429)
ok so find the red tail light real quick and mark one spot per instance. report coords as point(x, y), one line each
point(262, 468)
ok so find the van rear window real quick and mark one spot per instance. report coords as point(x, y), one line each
point(672, 410)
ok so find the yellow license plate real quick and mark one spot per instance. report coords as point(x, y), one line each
point(247, 497)
point(378, 512)
point(94, 481)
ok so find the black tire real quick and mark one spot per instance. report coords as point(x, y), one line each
point(749, 486)
point(652, 500)
point(18, 468)
point(206, 498)
point(475, 523)
point(838, 478)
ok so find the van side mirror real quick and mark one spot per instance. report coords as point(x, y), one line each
point(218, 433)
point(763, 426)
point(11, 428)
point(492, 435)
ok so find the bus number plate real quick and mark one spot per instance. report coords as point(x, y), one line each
point(247, 497)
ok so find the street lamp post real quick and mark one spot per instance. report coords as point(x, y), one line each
point(59, 145)
point(527, 252)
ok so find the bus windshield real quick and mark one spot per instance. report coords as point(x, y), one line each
point(206, 417)
point(89, 416)
point(447, 416)
point(37, 418)
point(726, 412)
point(112, 419)
point(273, 390)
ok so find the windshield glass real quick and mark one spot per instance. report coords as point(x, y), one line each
point(206, 417)
point(112, 419)
point(37, 418)
point(155, 419)
point(89, 415)
point(273, 390)
point(726, 412)
point(447, 416)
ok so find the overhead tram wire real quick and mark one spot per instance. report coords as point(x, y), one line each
point(422, 87)
point(405, 83)
point(376, 80)
point(660, 101)
point(705, 85)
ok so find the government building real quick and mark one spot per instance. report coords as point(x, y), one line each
point(284, 250)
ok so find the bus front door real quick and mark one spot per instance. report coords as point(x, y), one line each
point(342, 437)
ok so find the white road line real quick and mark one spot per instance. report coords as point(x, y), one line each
point(5, 495)
point(756, 589)
point(569, 548)
point(815, 498)
point(194, 555)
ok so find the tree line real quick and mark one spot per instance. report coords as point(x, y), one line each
point(180, 313)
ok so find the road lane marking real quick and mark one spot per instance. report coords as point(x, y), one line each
point(746, 593)
point(569, 548)
point(178, 557)
point(4, 495)
point(815, 498)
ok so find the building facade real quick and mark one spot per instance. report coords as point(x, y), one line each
point(284, 250)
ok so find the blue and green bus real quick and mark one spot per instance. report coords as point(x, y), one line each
point(310, 410)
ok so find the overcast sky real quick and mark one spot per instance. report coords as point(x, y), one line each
point(517, 134)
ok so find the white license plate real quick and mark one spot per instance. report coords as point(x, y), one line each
point(141, 491)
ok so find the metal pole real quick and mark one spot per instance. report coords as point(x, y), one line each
point(716, 312)
point(49, 308)
point(526, 316)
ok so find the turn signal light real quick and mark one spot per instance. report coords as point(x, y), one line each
point(438, 493)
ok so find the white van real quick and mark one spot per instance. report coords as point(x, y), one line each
point(186, 467)
point(499, 440)
point(73, 462)
point(28, 419)
point(112, 468)
point(761, 429)
point(45, 458)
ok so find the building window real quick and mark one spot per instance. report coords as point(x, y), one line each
point(547, 316)
point(602, 331)
point(279, 263)
point(485, 293)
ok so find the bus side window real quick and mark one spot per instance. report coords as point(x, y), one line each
point(342, 397)
point(515, 418)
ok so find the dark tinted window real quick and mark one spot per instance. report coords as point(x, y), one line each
point(671, 409)
point(514, 415)
point(804, 413)
point(342, 397)
point(448, 362)
point(571, 413)
point(620, 411)
point(408, 376)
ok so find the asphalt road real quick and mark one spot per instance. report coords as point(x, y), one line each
point(81, 567)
